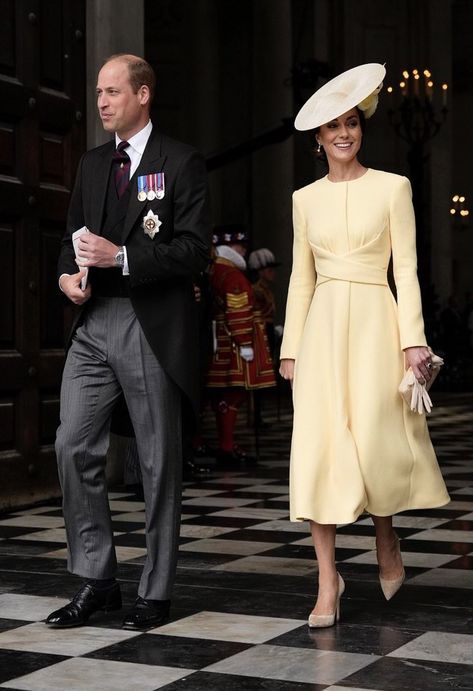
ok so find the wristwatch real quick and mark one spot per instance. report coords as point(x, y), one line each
point(120, 258)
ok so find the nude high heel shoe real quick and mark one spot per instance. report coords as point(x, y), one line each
point(391, 586)
point(320, 621)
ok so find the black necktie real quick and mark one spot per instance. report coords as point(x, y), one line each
point(122, 164)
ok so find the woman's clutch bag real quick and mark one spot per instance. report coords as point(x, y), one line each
point(416, 394)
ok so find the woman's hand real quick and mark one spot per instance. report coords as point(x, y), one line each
point(286, 369)
point(419, 359)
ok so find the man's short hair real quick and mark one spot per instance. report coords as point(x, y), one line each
point(141, 73)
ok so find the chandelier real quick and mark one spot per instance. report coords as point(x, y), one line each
point(417, 106)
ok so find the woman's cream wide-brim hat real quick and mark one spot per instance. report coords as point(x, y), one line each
point(356, 87)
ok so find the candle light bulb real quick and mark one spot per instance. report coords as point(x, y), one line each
point(444, 95)
point(405, 74)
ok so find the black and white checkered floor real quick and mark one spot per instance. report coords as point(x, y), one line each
point(246, 582)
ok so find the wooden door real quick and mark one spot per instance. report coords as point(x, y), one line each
point(42, 135)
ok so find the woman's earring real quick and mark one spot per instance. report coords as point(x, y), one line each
point(319, 147)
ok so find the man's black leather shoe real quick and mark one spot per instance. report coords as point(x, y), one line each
point(146, 614)
point(86, 601)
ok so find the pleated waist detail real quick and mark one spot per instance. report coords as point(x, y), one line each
point(350, 267)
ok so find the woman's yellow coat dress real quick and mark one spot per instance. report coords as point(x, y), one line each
point(355, 446)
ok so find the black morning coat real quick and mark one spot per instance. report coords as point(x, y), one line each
point(161, 269)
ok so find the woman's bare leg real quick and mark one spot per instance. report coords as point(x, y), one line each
point(323, 537)
point(387, 548)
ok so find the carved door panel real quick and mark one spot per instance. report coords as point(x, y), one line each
point(42, 135)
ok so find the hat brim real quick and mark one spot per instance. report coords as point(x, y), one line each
point(339, 95)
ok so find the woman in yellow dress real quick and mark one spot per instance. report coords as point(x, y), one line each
point(356, 446)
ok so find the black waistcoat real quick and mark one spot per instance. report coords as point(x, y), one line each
point(111, 282)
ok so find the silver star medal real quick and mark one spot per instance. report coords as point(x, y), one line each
point(151, 224)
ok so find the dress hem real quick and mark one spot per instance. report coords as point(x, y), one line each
point(345, 521)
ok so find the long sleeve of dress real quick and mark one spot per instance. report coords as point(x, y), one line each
point(301, 285)
point(403, 241)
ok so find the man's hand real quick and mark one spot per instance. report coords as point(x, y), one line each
point(70, 286)
point(95, 250)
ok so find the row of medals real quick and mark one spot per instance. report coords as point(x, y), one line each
point(143, 196)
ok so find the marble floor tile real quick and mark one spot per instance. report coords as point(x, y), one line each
point(421, 559)
point(250, 512)
point(460, 504)
point(82, 674)
point(444, 535)
point(216, 546)
point(15, 663)
point(202, 531)
point(270, 565)
point(51, 535)
point(123, 553)
point(438, 646)
point(170, 650)
point(218, 501)
point(199, 492)
point(212, 681)
point(36, 521)
point(277, 524)
point(445, 578)
point(222, 626)
point(33, 510)
point(39, 638)
point(293, 664)
point(28, 607)
point(270, 489)
point(358, 542)
point(400, 521)
point(239, 481)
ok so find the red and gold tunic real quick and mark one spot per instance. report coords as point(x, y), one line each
point(237, 324)
point(264, 300)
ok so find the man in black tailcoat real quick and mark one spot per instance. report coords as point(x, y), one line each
point(141, 204)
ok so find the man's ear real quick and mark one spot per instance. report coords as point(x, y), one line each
point(144, 94)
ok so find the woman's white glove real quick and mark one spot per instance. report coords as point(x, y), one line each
point(247, 353)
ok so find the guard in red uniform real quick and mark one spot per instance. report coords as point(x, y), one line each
point(241, 360)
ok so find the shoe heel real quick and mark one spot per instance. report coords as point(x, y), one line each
point(325, 620)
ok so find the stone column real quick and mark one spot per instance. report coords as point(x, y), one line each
point(272, 166)
point(440, 37)
point(113, 26)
